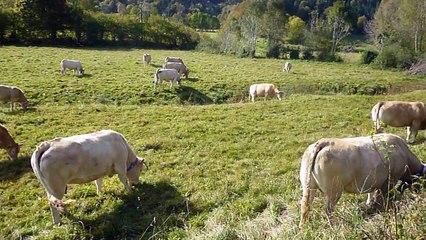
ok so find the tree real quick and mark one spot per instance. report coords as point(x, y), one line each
point(337, 19)
point(297, 28)
point(45, 17)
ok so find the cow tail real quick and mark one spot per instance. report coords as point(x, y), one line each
point(310, 157)
point(375, 116)
point(35, 164)
point(156, 75)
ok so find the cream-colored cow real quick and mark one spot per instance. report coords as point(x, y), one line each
point(355, 165)
point(400, 114)
point(81, 159)
point(264, 90)
point(13, 95)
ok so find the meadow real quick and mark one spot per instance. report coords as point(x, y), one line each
point(219, 166)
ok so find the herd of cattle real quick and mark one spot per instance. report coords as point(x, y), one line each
point(372, 164)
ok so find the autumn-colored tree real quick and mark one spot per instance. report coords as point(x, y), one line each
point(297, 29)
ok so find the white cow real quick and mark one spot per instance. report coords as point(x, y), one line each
point(400, 114)
point(163, 74)
point(355, 165)
point(147, 59)
point(172, 59)
point(75, 65)
point(180, 67)
point(264, 90)
point(81, 159)
point(287, 67)
point(13, 95)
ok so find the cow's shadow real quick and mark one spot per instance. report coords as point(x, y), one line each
point(12, 170)
point(192, 95)
point(145, 211)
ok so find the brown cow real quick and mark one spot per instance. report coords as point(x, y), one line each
point(355, 165)
point(13, 95)
point(400, 114)
point(7, 142)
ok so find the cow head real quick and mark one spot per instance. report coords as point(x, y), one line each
point(186, 73)
point(134, 170)
point(24, 104)
point(82, 71)
point(13, 151)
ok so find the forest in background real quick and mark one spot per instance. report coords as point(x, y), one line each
point(307, 29)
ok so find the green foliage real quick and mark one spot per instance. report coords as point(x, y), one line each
point(297, 28)
point(294, 54)
point(328, 57)
point(394, 56)
point(273, 50)
point(368, 56)
point(307, 54)
point(203, 21)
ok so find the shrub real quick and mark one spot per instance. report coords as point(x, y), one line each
point(307, 54)
point(328, 57)
point(394, 56)
point(208, 44)
point(368, 56)
point(273, 51)
point(294, 54)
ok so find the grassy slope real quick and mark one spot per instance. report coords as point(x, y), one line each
point(216, 171)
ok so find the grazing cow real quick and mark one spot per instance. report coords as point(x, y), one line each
point(180, 67)
point(400, 114)
point(163, 74)
point(81, 159)
point(147, 59)
point(13, 95)
point(75, 65)
point(287, 67)
point(355, 165)
point(264, 90)
point(7, 142)
point(172, 59)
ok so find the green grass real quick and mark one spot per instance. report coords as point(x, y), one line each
point(217, 171)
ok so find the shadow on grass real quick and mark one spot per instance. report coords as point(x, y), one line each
point(192, 95)
point(150, 209)
point(20, 110)
point(419, 141)
point(12, 170)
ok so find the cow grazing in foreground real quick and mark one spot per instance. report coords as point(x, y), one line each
point(355, 165)
point(163, 74)
point(180, 67)
point(287, 67)
point(7, 142)
point(81, 159)
point(172, 59)
point(75, 65)
point(146, 59)
point(264, 90)
point(13, 95)
point(400, 114)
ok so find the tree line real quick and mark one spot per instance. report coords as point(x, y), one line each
point(67, 22)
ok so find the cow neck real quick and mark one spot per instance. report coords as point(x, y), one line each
point(132, 164)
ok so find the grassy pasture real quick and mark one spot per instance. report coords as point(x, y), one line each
point(217, 171)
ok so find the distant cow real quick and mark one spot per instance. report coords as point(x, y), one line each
point(172, 59)
point(180, 67)
point(75, 65)
point(147, 59)
point(400, 114)
point(163, 74)
point(355, 165)
point(263, 90)
point(13, 95)
point(81, 159)
point(287, 67)
point(7, 142)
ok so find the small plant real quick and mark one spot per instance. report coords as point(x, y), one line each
point(368, 56)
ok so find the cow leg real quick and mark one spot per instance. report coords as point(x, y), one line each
point(121, 171)
point(332, 199)
point(98, 183)
point(412, 131)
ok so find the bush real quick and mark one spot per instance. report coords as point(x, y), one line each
point(273, 51)
point(368, 56)
point(307, 54)
point(395, 56)
point(208, 44)
point(327, 57)
point(294, 54)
